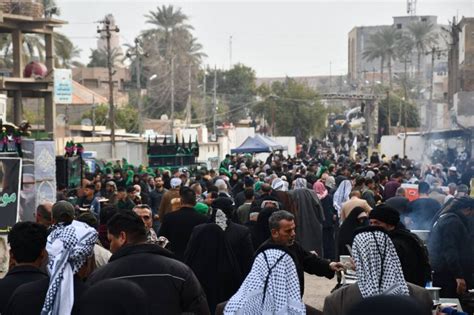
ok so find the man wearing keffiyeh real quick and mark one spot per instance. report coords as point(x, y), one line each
point(69, 246)
point(379, 272)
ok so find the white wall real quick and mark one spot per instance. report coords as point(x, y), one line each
point(391, 145)
point(134, 152)
point(290, 142)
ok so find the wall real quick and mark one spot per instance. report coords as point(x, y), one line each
point(133, 151)
point(391, 145)
point(464, 108)
point(290, 142)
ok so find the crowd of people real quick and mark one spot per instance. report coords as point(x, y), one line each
point(238, 240)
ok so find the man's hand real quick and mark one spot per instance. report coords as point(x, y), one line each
point(336, 266)
point(461, 286)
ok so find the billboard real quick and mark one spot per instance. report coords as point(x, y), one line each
point(10, 182)
point(63, 86)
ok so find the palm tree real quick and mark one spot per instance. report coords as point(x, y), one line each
point(170, 25)
point(66, 52)
point(375, 51)
point(383, 45)
point(423, 37)
point(404, 51)
point(98, 57)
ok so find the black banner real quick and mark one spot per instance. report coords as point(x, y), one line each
point(9, 192)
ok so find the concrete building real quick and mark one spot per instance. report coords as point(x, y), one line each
point(114, 39)
point(97, 80)
point(360, 70)
point(461, 73)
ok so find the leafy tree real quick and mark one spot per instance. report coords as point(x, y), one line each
point(236, 89)
point(295, 108)
point(125, 117)
point(397, 103)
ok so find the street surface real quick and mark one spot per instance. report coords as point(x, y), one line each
point(316, 289)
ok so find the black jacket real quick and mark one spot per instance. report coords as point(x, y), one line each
point(171, 286)
point(16, 277)
point(177, 227)
point(450, 247)
point(304, 261)
point(29, 298)
point(413, 256)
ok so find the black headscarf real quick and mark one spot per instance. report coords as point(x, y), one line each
point(346, 232)
point(262, 224)
point(114, 297)
point(210, 256)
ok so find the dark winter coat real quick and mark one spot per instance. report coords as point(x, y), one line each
point(413, 256)
point(171, 286)
point(16, 277)
point(450, 247)
point(177, 227)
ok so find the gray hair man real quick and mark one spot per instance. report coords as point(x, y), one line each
point(283, 235)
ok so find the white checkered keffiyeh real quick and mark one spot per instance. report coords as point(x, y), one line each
point(265, 291)
point(68, 248)
point(378, 267)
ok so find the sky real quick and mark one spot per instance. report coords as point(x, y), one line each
point(275, 38)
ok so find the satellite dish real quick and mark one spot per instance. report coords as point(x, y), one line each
point(61, 120)
point(86, 122)
point(164, 117)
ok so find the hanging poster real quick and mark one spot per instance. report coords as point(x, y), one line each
point(9, 192)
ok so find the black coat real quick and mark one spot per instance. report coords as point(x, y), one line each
point(29, 298)
point(171, 286)
point(413, 256)
point(450, 247)
point(16, 277)
point(177, 227)
point(304, 261)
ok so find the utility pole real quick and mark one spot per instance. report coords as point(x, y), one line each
point(230, 52)
point(330, 76)
point(188, 105)
point(204, 90)
point(93, 115)
point(108, 34)
point(389, 115)
point(172, 99)
point(139, 87)
point(429, 109)
point(214, 103)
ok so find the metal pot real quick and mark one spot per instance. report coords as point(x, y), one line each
point(434, 292)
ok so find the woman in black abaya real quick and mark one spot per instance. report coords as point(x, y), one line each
point(212, 260)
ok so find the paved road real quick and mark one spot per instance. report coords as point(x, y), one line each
point(316, 289)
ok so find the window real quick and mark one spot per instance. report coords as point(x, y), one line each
point(399, 26)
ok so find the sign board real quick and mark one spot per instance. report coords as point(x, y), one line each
point(10, 171)
point(3, 107)
point(63, 86)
